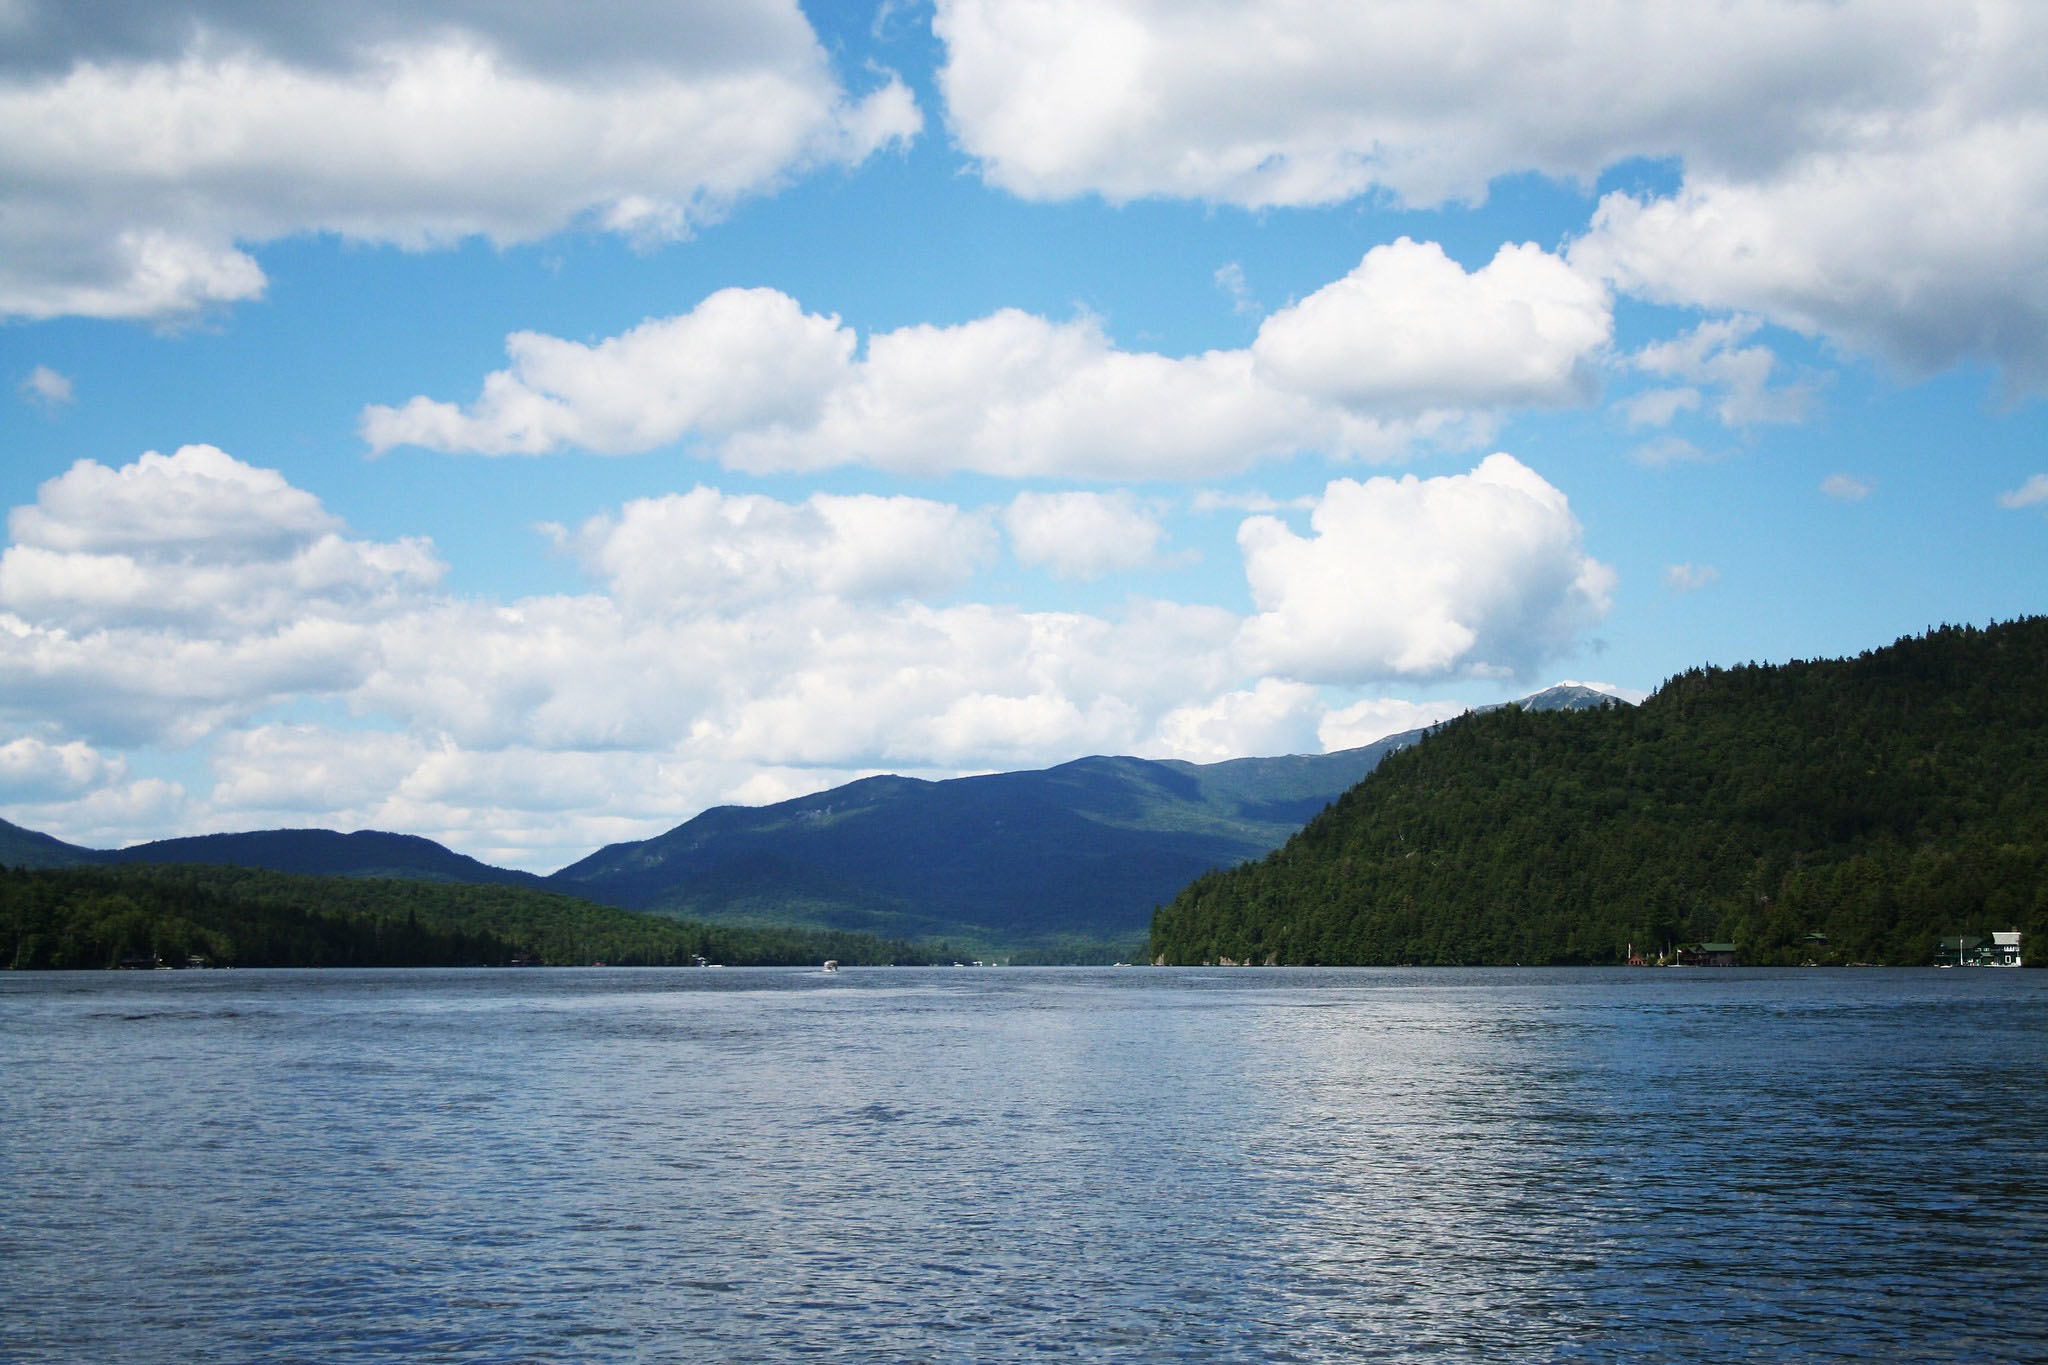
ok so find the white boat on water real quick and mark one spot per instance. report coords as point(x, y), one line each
point(831, 964)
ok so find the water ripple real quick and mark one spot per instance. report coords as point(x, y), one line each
point(1196, 1166)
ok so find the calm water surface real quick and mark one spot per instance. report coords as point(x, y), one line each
point(1255, 1165)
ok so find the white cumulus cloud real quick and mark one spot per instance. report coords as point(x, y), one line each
point(163, 598)
point(1481, 574)
point(1272, 717)
point(742, 360)
point(1874, 171)
point(197, 538)
point(730, 646)
point(1409, 328)
point(1295, 102)
point(1082, 535)
point(32, 770)
point(714, 553)
point(1367, 722)
point(1409, 347)
point(142, 151)
point(1917, 240)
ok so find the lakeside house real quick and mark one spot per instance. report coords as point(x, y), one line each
point(1970, 950)
point(1708, 955)
point(1958, 950)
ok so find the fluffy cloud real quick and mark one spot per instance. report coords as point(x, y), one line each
point(1845, 488)
point(1082, 535)
point(1273, 717)
point(32, 770)
point(141, 149)
point(113, 815)
point(161, 599)
point(742, 360)
point(198, 501)
point(1294, 102)
point(1922, 248)
point(1711, 356)
point(199, 539)
point(1366, 722)
point(711, 553)
point(1479, 574)
point(731, 647)
point(1009, 394)
point(1909, 231)
point(1410, 329)
point(1875, 173)
point(800, 682)
point(1408, 347)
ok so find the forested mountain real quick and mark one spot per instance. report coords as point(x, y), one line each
point(1084, 850)
point(1877, 803)
point(1066, 861)
point(311, 852)
point(325, 853)
point(26, 848)
point(249, 917)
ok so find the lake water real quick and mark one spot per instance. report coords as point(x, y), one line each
point(1009, 1164)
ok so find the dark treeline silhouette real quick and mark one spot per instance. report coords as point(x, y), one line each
point(248, 917)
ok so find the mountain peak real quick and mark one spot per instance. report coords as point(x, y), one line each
point(1572, 696)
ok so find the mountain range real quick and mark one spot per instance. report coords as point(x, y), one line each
point(1069, 860)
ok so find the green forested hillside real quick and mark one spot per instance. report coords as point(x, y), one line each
point(27, 848)
point(1058, 865)
point(1879, 802)
point(1061, 864)
point(244, 917)
point(325, 853)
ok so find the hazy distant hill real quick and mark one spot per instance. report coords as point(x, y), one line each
point(1083, 850)
point(1832, 810)
point(325, 853)
point(307, 852)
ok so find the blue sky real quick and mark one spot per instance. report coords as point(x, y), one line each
point(478, 422)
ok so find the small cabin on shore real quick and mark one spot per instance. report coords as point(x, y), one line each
point(1708, 955)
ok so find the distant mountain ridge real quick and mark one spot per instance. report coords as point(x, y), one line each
point(1080, 852)
point(326, 853)
point(1083, 850)
point(307, 852)
point(26, 848)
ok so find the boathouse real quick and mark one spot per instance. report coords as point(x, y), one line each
point(1961, 950)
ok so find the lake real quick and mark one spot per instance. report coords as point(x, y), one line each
point(1008, 1164)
